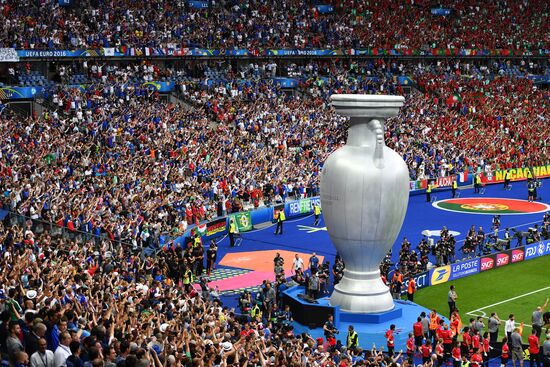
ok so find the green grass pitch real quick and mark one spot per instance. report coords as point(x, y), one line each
point(517, 288)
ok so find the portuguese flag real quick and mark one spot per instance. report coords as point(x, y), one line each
point(484, 205)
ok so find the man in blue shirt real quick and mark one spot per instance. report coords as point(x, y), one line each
point(313, 263)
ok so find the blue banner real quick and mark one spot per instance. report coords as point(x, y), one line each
point(404, 80)
point(540, 79)
point(286, 82)
point(10, 93)
point(537, 249)
point(59, 53)
point(441, 11)
point(198, 4)
point(301, 207)
point(422, 280)
point(325, 9)
point(464, 268)
point(305, 52)
point(203, 52)
point(65, 2)
point(163, 87)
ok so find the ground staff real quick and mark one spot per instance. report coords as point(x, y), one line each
point(280, 219)
point(232, 232)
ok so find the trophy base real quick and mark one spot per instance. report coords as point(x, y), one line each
point(360, 292)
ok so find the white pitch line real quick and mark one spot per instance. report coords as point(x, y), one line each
point(508, 300)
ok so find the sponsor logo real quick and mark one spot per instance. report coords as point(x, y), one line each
point(304, 206)
point(540, 249)
point(502, 259)
point(464, 268)
point(440, 275)
point(421, 281)
point(532, 251)
point(517, 255)
point(487, 263)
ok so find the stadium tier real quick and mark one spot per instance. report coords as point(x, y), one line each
point(160, 182)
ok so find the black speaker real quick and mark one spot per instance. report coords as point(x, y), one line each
point(307, 298)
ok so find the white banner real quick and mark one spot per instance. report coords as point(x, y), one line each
point(8, 55)
point(109, 51)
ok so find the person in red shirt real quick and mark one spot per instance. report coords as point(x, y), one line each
point(426, 351)
point(390, 340)
point(411, 348)
point(466, 342)
point(456, 354)
point(247, 330)
point(447, 336)
point(439, 330)
point(505, 354)
point(418, 333)
point(534, 349)
point(439, 352)
point(485, 348)
point(476, 360)
point(476, 340)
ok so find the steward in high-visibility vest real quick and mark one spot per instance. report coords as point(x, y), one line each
point(316, 213)
point(280, 219)
point(256, 313)
point(232, 232)
point(187, 278)
point(454, 186)
point(477, 183)
point(352, 339)
point(197, 240)
point(429, 193)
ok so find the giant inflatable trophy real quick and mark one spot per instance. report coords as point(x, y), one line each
point(364, 195)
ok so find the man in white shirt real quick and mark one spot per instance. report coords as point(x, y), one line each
point(298, 263)
point(42, 357)
point(63, 351)
point(509, 326)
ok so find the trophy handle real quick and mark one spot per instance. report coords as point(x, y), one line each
point(378, 158)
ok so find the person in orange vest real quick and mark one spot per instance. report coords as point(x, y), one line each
point(397, 282)
point(411, 289)
point(456, 323)
point(434, 324)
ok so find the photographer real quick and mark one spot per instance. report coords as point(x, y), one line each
point(329, 329)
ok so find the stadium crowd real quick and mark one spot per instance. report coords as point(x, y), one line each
point(256, 25)
point(93, 162)
point(114, 167)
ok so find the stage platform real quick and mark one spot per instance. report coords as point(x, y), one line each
point(315, 313)
point(310, 318)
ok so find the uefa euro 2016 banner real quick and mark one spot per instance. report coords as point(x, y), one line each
point(203, 52)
